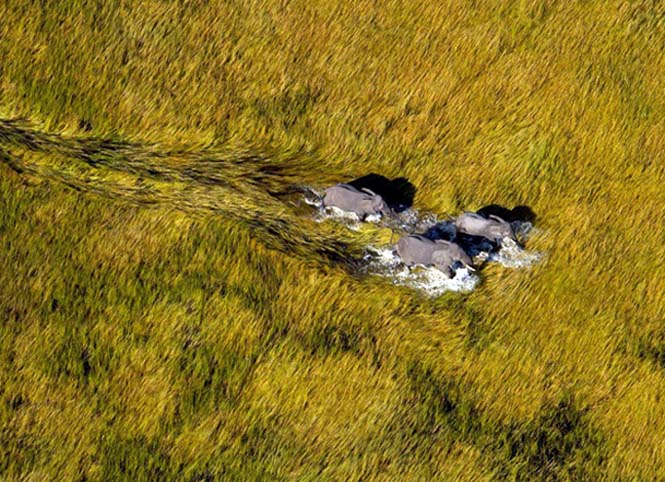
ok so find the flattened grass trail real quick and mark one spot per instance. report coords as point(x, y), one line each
point(242, 188)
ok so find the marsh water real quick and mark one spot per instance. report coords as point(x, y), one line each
point(382, 259)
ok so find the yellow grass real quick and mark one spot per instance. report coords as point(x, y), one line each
point(165, 316)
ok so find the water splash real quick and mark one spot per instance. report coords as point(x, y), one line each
point(511, 255)
point(407, 221)
point(383, 261)
point(351, 220)
point(429, 280)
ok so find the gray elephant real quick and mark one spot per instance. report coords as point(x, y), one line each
point(444, 255)
point(493, 227)
point(362, 202)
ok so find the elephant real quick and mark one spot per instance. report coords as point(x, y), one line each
point(444, 255)
point(398, 193)
point(493, 227)
point(362, 202)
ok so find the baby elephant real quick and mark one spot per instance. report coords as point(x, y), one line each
point(493, 227)
point(361, 202)
point(418, 249)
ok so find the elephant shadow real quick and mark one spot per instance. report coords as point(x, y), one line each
point(521, 214)
point(398, 193)
point(472, 245)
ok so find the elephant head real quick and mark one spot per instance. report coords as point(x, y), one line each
point(374, 203)
point(449, 254)
point(502, 229)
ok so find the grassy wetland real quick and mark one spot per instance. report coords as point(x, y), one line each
point(166, 315)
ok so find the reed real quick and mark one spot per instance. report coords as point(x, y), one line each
point(168, 315)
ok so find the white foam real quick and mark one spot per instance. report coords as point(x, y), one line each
point(429, 280)
point(313, 197)
point(350, 219)
point(511, 255)
point(409, 220)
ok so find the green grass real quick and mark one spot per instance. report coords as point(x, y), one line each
point(165, 314)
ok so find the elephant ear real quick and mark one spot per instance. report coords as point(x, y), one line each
point(441, 257)
point(366, 205)
point(497, 218)
point(368, 191)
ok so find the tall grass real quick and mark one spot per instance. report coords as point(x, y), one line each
point(166, 317)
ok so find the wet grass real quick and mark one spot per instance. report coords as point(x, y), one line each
point(166, 313)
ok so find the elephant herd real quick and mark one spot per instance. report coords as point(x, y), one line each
point(487, 226)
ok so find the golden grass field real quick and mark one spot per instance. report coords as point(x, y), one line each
point(165, 316)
